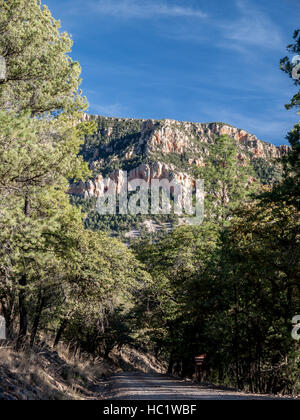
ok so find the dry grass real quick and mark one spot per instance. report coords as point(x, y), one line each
point(130, 359)
point(44, 374)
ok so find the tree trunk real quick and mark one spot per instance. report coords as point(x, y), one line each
point(7, 311)
point(37, 318)
point(22, 294)
point(60, 332)
point(107, 351)
point(27, 209)
point(171, 364)
point(236, 339)
point(23, 314)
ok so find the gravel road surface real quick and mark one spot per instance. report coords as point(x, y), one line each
point(141, 386)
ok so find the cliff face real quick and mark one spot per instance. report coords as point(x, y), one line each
point(150, 149)
point(177, 137)
point(146, 172)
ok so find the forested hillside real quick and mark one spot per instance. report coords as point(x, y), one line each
point(150, 149)
point(228, 288)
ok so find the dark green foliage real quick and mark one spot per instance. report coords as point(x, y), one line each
point(287, 66)
point(267, 172)
point(229, 290)
point(120, 225)
point(54, 275)
point(288, 190)
point(113, 136)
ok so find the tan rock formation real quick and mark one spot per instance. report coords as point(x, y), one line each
point(162, 138)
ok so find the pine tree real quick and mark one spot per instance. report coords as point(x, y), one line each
point(288, 190)
point(38, 155)
point(40, 75)
point(226, 180)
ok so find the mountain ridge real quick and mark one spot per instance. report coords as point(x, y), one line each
point(150, 149)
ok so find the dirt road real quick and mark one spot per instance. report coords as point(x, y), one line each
point(141, 386)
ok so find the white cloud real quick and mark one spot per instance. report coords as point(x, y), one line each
point(253, 28)
point(137, 9)
point(249, 29)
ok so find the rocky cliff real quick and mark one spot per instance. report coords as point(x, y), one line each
point(151, 149)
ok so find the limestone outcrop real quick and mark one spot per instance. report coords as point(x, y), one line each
point(167, 149)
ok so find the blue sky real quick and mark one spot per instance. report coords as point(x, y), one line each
point(190, 60)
